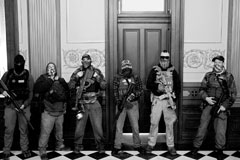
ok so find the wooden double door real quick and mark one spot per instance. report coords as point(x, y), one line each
point(142, 44)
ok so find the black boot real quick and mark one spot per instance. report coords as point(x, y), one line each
point(115, 151)
point(140, 149)
point(194, 151)
point(220, 154)
point(6, 156)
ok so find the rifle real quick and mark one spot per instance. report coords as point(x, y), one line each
point(169, 94)
point(124, 102)
point(225, 93)
point(80, 90)
point(12, 98)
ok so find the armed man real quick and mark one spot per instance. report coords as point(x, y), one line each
point(20, 83)
point(127, 91)
point(163, 82)
point(86, 82)
point(218, 92)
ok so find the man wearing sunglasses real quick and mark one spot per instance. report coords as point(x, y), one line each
point(163, 82)
point(85, 83)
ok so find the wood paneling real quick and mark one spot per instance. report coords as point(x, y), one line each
point(190, 120)
point(233, 43)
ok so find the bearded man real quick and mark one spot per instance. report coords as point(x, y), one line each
point(163, 82)
point(218, 90)
point(86, 82)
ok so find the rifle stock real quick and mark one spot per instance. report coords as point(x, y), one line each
point(12, 98)
point(80, 89)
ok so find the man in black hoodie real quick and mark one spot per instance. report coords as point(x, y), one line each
point(54, 91)
point(163, 82)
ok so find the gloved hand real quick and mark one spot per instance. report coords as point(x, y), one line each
point(22, 107)
point(119, 104)
point(130, 97)
point(161, 88)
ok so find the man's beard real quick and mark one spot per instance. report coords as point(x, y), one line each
point(164, 64)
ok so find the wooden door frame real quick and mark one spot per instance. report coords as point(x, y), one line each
point(111, 49)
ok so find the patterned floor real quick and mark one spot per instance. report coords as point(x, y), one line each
point(126, 155)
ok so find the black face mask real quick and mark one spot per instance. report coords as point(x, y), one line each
point(127, 72)
point(19, 67)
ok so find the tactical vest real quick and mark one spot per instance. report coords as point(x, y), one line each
point(123, 86)
point(164, 77)
point(18, 84)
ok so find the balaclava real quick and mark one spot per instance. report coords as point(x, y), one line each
point(19, 63)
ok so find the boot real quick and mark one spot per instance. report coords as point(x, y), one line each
point(78, 148)
point(149, 149)
point(26, 154)
point(140, 149)
point(6, 156)
point(115, 151)
point(194, 151)
point(172, 151)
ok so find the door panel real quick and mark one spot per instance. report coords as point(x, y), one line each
point(142, 44)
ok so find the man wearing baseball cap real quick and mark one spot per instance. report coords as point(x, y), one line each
point(218, 92)
point(85, 84)
point(122, 89)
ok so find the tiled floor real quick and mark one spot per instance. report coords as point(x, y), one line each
point(126, 155)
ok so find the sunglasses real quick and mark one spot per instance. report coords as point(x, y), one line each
point(164, 57)
point(86, 60)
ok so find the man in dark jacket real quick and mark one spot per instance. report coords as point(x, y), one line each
point(163, 82)
point(122, 87)
point(20, 82)
point(218, 92)
point(55, 92)
point(86, 82)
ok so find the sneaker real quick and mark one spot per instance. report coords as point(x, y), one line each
point(78, 149)
point(27, 154)
point(172, 151)
point(115, 151)
point(44, 156)
point(194, 151)
point(6, 156)
point(140, 149)
point(149, 149)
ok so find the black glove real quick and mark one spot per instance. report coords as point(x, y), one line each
point(119, 106)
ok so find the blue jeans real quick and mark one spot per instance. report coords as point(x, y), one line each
point(133, 115)
point(159, 107)
point(11, 116)
point(47, 124)
point(220, 127)
point(94, 111)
